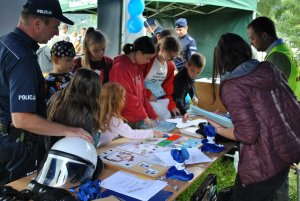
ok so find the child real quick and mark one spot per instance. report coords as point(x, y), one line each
point(62, 55)
point(78, 105)
point(160, 71)
point(94, 44)
point(111, 122)
point(127, 72)
point(184, 83)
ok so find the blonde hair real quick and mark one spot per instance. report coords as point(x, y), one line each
point(112, 102)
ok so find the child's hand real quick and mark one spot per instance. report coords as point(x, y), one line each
point(175, 112)
point(149, 122)
point(195, 100)
point(185, 117)
point(157, 134)
point(153, 98)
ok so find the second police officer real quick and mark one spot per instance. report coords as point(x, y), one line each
point(188, 43)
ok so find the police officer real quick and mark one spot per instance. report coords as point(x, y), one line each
point(152, 28)
point(188, 44)
point(22, 95)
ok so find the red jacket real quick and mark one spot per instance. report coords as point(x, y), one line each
point(266, 117)
point(129, 75)
point(168, 83)
point(104, 66)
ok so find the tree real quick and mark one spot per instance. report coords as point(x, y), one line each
point(286, 15)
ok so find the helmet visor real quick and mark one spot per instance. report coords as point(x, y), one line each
point(61, 171)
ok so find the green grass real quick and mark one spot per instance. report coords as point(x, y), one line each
point(225, 172)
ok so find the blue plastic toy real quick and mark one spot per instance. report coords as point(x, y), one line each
point(209, 144)
point(178, 171)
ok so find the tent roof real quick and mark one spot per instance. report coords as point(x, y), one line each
point(166, 8)
point(79, 6)
point(171, 8)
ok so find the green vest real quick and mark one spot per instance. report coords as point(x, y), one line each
point(294, 78)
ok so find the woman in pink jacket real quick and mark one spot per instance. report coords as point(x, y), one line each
point(265, 114)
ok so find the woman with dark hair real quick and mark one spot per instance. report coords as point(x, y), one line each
point(265, 114)
point(94, 58)
point(78, 105)
point(127, 72)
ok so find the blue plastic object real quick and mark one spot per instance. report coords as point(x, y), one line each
point(88, 191)
point(134, 24)
point(181, 175)
point(136, 7)
point(180, 156)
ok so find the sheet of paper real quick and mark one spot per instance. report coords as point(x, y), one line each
point(191, 131)
point(162, 126)
point(155, 88)
point(224, 121)
point(180, 124)
point(161, 108)
point(196, 156)
point(140, 148)
point(165, 126)
point(133, 186)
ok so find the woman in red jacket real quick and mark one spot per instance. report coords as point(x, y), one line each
point(126, 71)
point(159, 73)
point(265, 114)
point(93, 47)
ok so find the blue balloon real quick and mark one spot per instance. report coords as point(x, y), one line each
point(136, 7)
point(134, 24)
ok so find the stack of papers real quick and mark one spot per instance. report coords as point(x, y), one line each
point(181, 124)
point(191, 131)
point(133, 186)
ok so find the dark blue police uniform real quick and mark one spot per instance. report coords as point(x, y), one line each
point(22, 90)
point(188, 45)
point(158, 29)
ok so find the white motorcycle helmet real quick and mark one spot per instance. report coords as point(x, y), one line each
point(70, 162)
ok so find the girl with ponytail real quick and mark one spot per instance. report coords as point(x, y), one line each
point(127, 72)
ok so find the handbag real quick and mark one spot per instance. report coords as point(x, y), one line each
point(207, 191)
